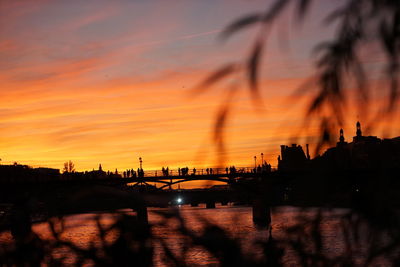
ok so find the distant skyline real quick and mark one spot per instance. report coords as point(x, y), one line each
point(109, 82)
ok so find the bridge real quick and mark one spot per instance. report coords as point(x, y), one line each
point(98, 190)
point(171, 177)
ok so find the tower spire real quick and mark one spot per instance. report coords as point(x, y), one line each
point(358, 132)
point(341, 138)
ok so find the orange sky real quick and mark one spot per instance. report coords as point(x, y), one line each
point(109, 82)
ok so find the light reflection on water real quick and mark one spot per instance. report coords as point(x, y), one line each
point(237, 220)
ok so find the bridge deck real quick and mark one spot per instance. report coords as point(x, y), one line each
point(224, 177)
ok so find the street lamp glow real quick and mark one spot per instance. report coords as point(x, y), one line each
point(140, 161)
point(179, 200)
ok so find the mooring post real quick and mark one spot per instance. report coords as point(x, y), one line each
point(261, 212)
point(141, 213)
point(210, 204)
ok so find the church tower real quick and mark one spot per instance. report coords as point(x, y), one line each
point(341, 138)
point(358, 132)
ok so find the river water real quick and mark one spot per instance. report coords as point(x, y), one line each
point(236, 220)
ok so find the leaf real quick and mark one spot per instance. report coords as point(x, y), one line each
point(335, 15)
point(387, 38)
point(304, 88)
point(302, 9)
point(253, 66)
point(322, 47)
point(394, 90)
point(216, 76)
point(361, 81)
point(222, 115)
point(325, 130)
point(274, 11)
point(220, 122)
point(316, 103)
point(240, 24)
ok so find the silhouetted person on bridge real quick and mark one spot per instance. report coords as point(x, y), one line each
point(211, 171)
point(232, 170)
point(194, 171)
point(226, 170)
point(179, 171)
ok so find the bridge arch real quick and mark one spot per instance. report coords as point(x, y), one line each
point(194, 179)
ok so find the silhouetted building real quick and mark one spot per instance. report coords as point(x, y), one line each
point(292, 158)
point(308, 152)
point(18, 173)
point(97, 174)
point(341, 139)
point(46, 174)
point(364, 153)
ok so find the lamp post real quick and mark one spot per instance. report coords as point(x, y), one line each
point(262, 159)
point(255, 161)
point(140, 161)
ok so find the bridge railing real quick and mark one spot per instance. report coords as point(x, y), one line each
point(200, 171)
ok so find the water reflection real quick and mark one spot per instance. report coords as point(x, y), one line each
point(83, 231)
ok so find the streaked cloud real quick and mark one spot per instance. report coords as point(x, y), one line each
point(106, 82)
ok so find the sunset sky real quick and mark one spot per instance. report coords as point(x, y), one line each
point(110, 81)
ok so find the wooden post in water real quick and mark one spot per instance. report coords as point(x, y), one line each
point(210, 204)
point(141, 213)
point(261, 212)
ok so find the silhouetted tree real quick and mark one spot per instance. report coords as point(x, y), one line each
point(69, 167)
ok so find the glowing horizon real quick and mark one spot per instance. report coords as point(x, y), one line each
point(101, 83)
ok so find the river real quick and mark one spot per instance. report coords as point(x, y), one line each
point(236, 220)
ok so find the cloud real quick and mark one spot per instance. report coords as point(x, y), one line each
point(107, 83)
